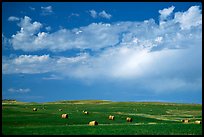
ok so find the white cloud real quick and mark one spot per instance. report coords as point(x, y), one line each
point(145, 52)
point(161, 71)
point(33, 64)
point(30, 59)
point(145, 34)
point(103, 14)
point(93, 13)
point(190, 18)
point(157, 70)
point(31, 39)
point(13, 18)
point(25, 36)
point(46, 10)
point(28, 64)
point(20, 90)
point(124, 61)
point(166, 12)
point(28, 27)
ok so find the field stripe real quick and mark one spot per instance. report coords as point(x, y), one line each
point(158, 117)
point(133, 124)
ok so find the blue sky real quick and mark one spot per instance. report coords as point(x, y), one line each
point(119, 51)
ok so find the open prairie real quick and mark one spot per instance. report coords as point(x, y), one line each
point(148, 118)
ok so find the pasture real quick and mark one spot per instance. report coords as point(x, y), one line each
point(148, 118)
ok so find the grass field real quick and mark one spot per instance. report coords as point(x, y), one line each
point(149, 118)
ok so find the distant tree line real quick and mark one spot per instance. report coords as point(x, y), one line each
point(8, 100)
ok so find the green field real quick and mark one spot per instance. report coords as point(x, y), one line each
point(149, 118)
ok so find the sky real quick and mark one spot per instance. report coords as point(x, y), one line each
point(118, 51)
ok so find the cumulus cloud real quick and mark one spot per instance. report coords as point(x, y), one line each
point(105, 15)
point(27, 64)
point(13, 18)
point(166, 12)
point(166, 67)
point(191, 18)
point(46, 10)
point(29, 38)
point(104, 35)
point(20, 90)
point(123, 61)
point(23, 38)
point(168, 54)
point(33, 64)
point(93, 13)
point(102, 14)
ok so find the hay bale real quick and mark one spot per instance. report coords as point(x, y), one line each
point(111, 117)
point(86, 112)
point(198, 122)
point(34, 109)
point(64, 115)
point(60, 109)
point(93, 123)
point(128, 119)
point(185, 120)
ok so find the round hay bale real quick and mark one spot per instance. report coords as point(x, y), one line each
point(111, 117)
point(93, 123)
point(60, 109)
point(185, 120)
point(128, 119)
point(34, 109)
point(198, 122)
point(64, 115)
point(86, 112)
